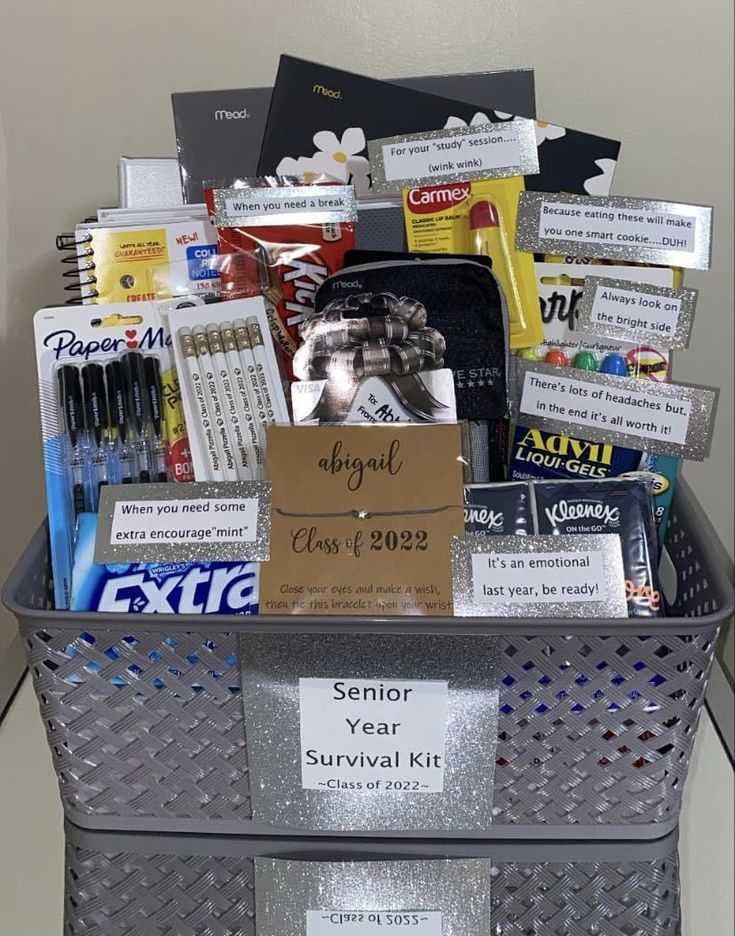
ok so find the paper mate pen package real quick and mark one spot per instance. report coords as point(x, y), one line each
point(165, 588)
point(616, 505)
point(480, 217)
point(498, 509)
point(105, 393)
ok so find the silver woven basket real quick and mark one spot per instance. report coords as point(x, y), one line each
point(159, 885)
point(144, 714)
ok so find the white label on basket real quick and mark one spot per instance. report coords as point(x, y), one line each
point(183, 523)
point(570, 575)
point(373, 922)
point(578, 402)
point(306, 204)
point(617, 228)
point(635, 310)
point(671, 419)
point(506, 579)
point(419, 157)
point(459, 154)
point(373, 735)
point(648, 227)
point(224, 520)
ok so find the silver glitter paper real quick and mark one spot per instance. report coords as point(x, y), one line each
point(520, 128)
point(286, 891)
point(281, 201)
point(700, 424)
point(678, 339)
point(256, 550)
point(528, 233)
point(271, 669)
point(613, 604)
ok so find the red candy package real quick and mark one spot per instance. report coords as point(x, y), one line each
point(281, 239)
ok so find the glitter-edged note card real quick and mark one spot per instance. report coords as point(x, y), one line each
point(431, 897)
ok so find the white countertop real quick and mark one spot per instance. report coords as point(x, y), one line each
point(31, 839)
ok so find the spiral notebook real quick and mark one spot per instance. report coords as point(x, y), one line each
point(138, 261)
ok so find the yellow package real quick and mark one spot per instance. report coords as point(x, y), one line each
point(677, 272)
point(480, 217)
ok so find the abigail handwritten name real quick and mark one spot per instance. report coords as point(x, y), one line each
point(354, 467)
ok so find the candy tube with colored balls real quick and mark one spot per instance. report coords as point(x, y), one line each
point(235, 425)
point(203, 426)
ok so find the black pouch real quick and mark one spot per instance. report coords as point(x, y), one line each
point(462, 303)
point(613, 505)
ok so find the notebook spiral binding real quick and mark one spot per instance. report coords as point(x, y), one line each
point(80, 259)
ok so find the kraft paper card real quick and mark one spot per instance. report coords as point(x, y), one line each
point(362, 519)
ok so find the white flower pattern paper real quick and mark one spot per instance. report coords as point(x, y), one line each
point(546, 131)
point(602, 183)
point(340, 159)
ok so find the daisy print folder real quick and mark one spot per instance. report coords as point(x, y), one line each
point(321, 118)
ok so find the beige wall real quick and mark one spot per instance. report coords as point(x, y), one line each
point(81, 84)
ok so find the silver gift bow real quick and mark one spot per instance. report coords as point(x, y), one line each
point(370, 335)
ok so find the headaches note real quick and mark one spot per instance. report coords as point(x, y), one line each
point(671, 419)
point(362, 519)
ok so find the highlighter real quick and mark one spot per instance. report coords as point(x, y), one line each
point(487, 238)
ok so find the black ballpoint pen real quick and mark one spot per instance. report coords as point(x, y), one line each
point(138, 411)
point(97, 425)
point(154, 422)
point(72, 411)
point(117, 400)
